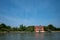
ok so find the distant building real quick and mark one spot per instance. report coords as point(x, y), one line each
point(39, 28)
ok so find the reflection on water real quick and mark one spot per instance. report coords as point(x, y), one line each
point(39, 36)
point(30, 36)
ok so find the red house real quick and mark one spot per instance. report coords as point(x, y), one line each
point(39, 29)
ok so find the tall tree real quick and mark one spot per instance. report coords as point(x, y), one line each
point(51, 27)
point(22, 28)
point(3, 25)
point(30, 28)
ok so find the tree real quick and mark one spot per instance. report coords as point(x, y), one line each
point(45, 28)
point(22, 28)
point(51, 27)
point(30, 28)
point(3, 25)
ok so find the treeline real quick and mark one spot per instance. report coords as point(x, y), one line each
point(4, 27)
point(51, 27)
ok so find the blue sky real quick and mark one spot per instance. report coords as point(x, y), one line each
point(30, 12)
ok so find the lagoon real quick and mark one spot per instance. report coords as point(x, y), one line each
point(30, 36)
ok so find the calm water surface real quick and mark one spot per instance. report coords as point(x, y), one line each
point(30, 36)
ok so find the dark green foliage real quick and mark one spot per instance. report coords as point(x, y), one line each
point(57, 29)
point(51, 27)
point(30, 28)
point(45, 28)
point(22, 28)
point(4, 27)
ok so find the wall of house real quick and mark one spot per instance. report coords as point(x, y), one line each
point(39, 29)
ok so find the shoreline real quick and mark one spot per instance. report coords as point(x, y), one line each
point(22, 31)
point(55, 31)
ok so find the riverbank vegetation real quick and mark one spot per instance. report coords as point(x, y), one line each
point(4, 27)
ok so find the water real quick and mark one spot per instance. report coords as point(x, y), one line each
point(30, 36)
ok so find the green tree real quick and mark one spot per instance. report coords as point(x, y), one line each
point(4, 27)
point(45, 28)
point(22, 28)
point(51, 27)
point(14, 29)
point(30, 28)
